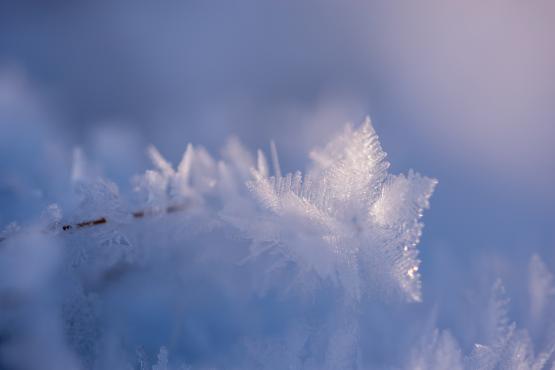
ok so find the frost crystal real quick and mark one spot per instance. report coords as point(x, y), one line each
point(237, 236)
point(505, 346)
point(347, 220)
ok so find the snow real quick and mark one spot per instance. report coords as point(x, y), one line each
point(231, 263)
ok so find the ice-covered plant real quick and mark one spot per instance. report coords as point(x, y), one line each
point(505, 346)
point(311, 246)
point(347, 219)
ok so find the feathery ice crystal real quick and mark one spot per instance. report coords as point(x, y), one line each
point(228, 264)
point(504, 346)
point(250, 236)
point(347, 219)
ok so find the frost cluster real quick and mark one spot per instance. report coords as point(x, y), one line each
point(505, 346)
point(230, 264)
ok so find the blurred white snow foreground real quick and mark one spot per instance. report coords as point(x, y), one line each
point(257, 270)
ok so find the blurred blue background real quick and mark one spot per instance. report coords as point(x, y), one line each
point(460, 91)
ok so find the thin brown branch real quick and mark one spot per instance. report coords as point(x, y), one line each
point(104, 220)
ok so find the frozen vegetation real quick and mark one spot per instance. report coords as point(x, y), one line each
point(228, 263)
point(118, 254)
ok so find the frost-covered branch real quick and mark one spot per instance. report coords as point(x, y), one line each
point(345, 228)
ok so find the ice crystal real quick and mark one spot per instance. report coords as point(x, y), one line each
point(505, 346)
point(240, 230)
point(347, 219)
